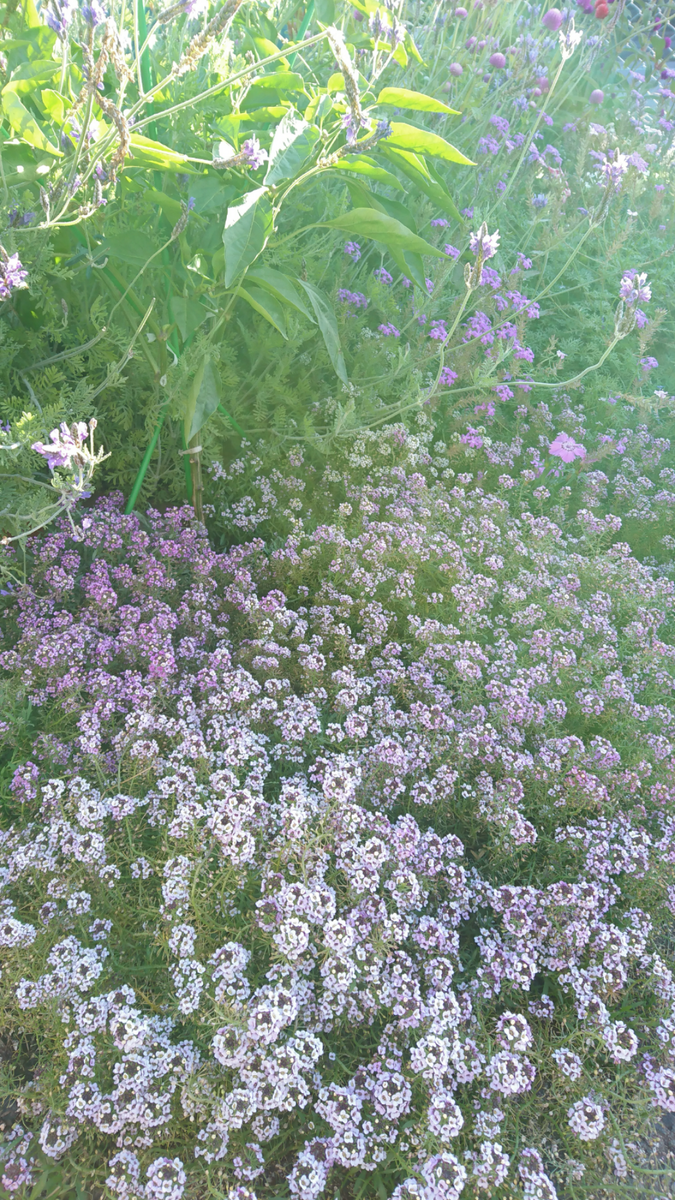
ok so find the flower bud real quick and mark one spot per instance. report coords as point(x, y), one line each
point(552, 19)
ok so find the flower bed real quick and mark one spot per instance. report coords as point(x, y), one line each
point(341, 864)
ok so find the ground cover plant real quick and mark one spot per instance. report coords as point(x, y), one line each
point(337, 833)
point(345, 868)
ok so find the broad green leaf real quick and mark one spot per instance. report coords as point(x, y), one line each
point(259, 115)
point(247, 227)
point(325, 316)
point(53, 104)
point(407, 161)
point(210, 194)
point(265, 47)
point(366, 6)
point(419, 173)
point(398, 97)
point(267, 305)
point(30, 75)
point(188, 315)
point(336, 82)
point(423, 141)
point(361, 165)
point(132, 247)
point(203, 398)
point(284, 81)
point(325, 11)
point(25, 125)
point(292, 144)
point(156, 155)
point(279, 285)
point(319, 108)
point(400, 55)
point(168, 204)
point(410, 46)
point(30, 14)
point(371, 223)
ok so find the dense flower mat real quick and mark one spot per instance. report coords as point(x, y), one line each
point(347, 866)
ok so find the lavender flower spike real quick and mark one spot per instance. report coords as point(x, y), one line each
point(94, 13)
point(65, 447)
point(634, 288)
point(12, 273)
point(484, 243)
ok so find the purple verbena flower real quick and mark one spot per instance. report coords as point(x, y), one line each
point(254, 153)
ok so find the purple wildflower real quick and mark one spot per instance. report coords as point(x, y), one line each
point(13, 275)
point(65, 447)
point(389, 330)
point(649, 363)
point(353, 250)
point(483, 243)
point(254, 153)
point(448, 377)
point(438, 331)
point(383, 275)
point(94, 13)
point(451, 251)
point(355, 298)
point(634, 287)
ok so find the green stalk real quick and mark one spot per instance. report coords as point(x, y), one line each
point(131, 502)
point(146, 70)
point(309, 13)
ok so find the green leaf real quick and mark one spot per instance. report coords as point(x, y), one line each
point(188, 315)
point(247, 227)
point(336, 82)
point(400, 55)
point(411, 265)
point(279, 285)
point(399, 97)
point(25, 125)
point(203, 398)
point(292, 143)
point(154, 154)
point(131, 247)
point(325, 11)
point(210, 194)
point(412, 48)
point(419, 173)
point(168, 204)
point(28, 75)
point(359, 164)
point(267, 305)
point(281, 81)
point(370, 223)
point(325, 316)
point(362, 198)
point(423, 141)
point(409, 163)
point(53, 104)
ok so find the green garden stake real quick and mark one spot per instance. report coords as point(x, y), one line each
point(138, 483)
point(309, 13)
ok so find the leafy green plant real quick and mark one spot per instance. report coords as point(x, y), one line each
point(83, 93)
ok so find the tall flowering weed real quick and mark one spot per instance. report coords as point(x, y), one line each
point(345, 859)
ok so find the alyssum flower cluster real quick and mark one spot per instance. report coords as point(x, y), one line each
point(350, 857)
